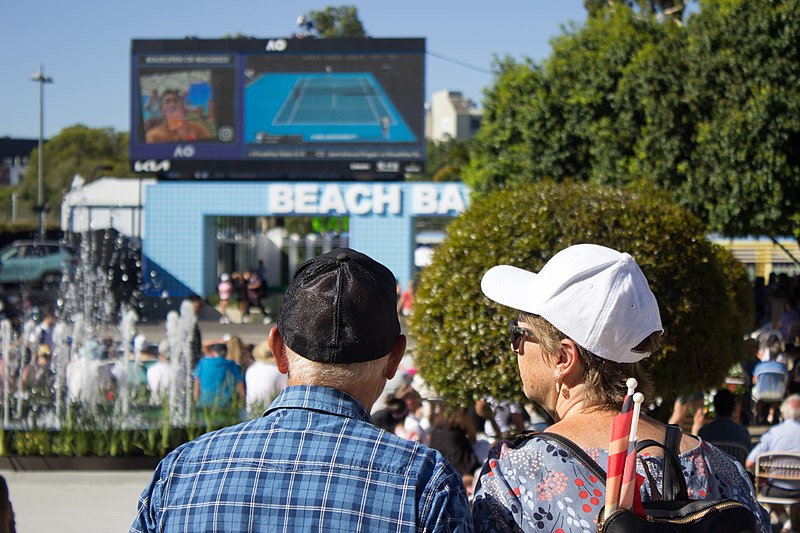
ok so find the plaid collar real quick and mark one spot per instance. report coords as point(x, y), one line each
point(319, 398)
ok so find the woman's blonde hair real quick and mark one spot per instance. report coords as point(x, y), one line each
point(604, 379)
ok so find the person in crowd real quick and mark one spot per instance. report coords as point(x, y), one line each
point(681, 407)
point(584, 323)
point(255, 292)
point(263, 381)
point(315, 461)
point(175, 126)
point(225, 291)
point(240, 288)
point(392, 416)
point(217, 379)
point(405, 303)
point(724, 428)
point(412, 428)
point(196, 344)
point(453, 434)
point(38, 377)
point(784, 437)
point(772, 363)
point(7, 522)
point(43, 332)
point(160, 374)
point(789, 321)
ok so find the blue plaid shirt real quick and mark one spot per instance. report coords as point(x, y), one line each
point(313, 462)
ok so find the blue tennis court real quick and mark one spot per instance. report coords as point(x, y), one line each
point(340, 107)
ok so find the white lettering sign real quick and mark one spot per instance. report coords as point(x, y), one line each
point(363, 199)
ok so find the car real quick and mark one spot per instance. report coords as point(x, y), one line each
point(35, 263)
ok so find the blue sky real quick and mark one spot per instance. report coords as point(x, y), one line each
point(85, 45)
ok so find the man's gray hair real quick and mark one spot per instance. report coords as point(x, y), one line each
point(790, 408)
point(332, 375)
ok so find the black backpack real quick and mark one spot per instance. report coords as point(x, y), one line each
point(674, 512)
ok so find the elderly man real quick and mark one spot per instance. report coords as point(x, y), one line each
point(315, 461)
point(785, 437)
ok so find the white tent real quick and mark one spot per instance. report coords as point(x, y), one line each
point(106, 203)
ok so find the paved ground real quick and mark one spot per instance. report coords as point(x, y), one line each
point(75, 502)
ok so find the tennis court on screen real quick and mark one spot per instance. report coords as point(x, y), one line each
point(329, 107)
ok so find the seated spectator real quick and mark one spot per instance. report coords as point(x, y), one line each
point(769, 382)
point(263, 381)
point(724, 428)
point(785, 437)
point(216, 379)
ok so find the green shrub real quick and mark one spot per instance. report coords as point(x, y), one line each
point(703, 294)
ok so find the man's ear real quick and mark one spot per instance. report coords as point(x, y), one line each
point(395, 356)
point(275, 343)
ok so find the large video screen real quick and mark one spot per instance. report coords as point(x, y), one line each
point(278, 108)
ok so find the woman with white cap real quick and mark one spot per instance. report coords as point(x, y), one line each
point(585, 322)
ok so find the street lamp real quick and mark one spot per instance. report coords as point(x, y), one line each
point(41, 79)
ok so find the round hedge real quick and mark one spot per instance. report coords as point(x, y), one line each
point(703, 292)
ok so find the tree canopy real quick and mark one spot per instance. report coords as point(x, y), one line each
point(336, 22)
point(706, 111)
point(77, 149)
point(702, 291)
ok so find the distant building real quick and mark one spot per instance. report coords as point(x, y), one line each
point(761, 256)
point(14, 158)
point(452, 116)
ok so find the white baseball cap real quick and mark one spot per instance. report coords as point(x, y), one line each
point(597, 296)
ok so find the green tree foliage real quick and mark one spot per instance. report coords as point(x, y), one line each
point(707, 112)
point(336, 22)
point(445, 160)
point(90, 152)
point(744, 172)
point(462, 337)
point(667, 9)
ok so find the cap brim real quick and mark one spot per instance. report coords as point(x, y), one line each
point(510, 286)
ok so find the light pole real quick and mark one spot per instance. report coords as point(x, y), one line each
point(41, 79)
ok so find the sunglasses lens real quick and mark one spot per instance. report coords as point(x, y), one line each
point(516, 335)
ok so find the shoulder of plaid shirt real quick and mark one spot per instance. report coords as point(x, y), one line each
point(314, 461)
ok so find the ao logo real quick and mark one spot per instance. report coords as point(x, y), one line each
point(187, 150)
point(276, 45)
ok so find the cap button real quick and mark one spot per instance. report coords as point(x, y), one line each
point(342, 257)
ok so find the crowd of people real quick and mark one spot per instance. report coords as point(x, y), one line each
point(248, 288)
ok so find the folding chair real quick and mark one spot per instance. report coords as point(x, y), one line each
point(736, 450)
point(770, 385)
point(773, 466)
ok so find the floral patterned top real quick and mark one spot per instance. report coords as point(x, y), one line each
point(540, 486)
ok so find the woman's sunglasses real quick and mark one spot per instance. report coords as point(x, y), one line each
point(518, 333)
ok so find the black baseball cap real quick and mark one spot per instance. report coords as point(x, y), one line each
point(341, 307)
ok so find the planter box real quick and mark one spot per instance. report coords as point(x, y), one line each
point(38, 463)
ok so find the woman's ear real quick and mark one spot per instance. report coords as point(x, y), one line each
point(568, 358)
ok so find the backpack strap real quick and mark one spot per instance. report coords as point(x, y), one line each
point(673, 482)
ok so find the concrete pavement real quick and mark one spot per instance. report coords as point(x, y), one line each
point(75, 502)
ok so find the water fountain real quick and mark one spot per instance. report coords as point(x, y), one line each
point(96, 363)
